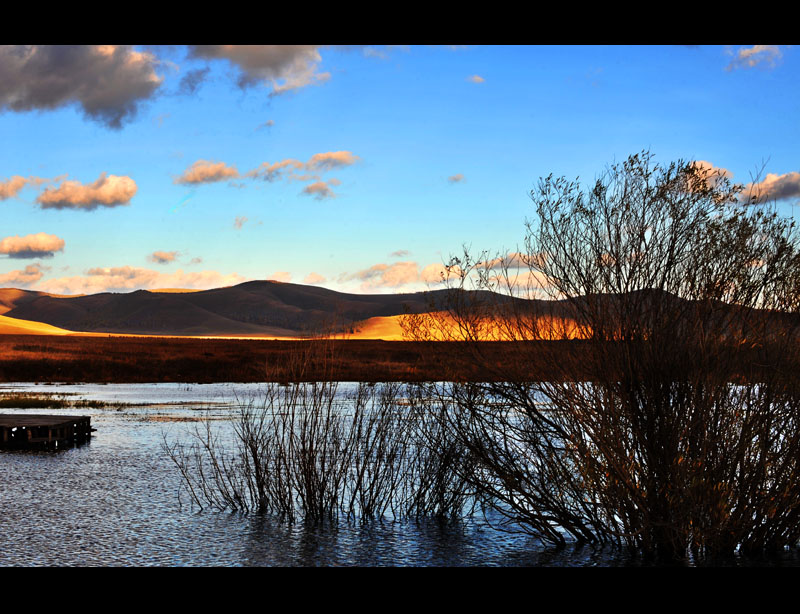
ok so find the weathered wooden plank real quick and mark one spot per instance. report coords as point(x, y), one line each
point(48, 420)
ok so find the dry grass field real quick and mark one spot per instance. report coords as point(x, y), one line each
point(52, 358)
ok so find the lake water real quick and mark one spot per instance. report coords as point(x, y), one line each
point(115, 502)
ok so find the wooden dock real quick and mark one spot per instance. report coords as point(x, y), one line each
point(43, 431)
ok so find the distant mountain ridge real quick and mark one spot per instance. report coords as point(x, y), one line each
point(277, 309)
point(252, 308)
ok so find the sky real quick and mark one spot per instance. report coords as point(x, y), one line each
point(355, 168)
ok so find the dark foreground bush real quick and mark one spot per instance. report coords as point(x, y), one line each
point(676, 431)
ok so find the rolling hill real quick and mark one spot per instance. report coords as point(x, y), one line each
point(270, 309)
point(256, 308)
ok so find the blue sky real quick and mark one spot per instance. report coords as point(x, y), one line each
point(145, 167)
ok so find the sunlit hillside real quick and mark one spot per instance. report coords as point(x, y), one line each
point(13, 326)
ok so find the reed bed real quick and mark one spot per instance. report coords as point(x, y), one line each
point(302, 451)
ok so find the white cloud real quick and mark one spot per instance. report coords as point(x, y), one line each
point(162, 257)
point(320, 189)
point(11, 187)
point(437, 272)
point(513, 260)
point(748, 57)
point(270, 171)
point(404, 276)
point(108, 82)
point(323, 162)
point(711, 173)
point(318, 163)
point(107, 191)
point(30, 274)
point(283, 67)
point(290, 169)
point(386, 275)
point(314, 278)
point(39, 245)
point(207, 171)
point(774, 187)
point(282, 276)
point(191, 81)
point(128, 278)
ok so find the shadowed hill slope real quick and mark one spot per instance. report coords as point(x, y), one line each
point(11, 298)
point(253, 308)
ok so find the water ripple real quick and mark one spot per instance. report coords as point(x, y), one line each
point(114, 502)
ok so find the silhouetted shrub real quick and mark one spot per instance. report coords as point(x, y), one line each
point(674, 431)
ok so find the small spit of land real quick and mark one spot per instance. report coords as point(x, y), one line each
point(29, 400)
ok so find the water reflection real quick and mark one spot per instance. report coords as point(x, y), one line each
point(424, 543)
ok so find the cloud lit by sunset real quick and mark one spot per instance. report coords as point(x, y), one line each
point(39, 245)
point(107, 191)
